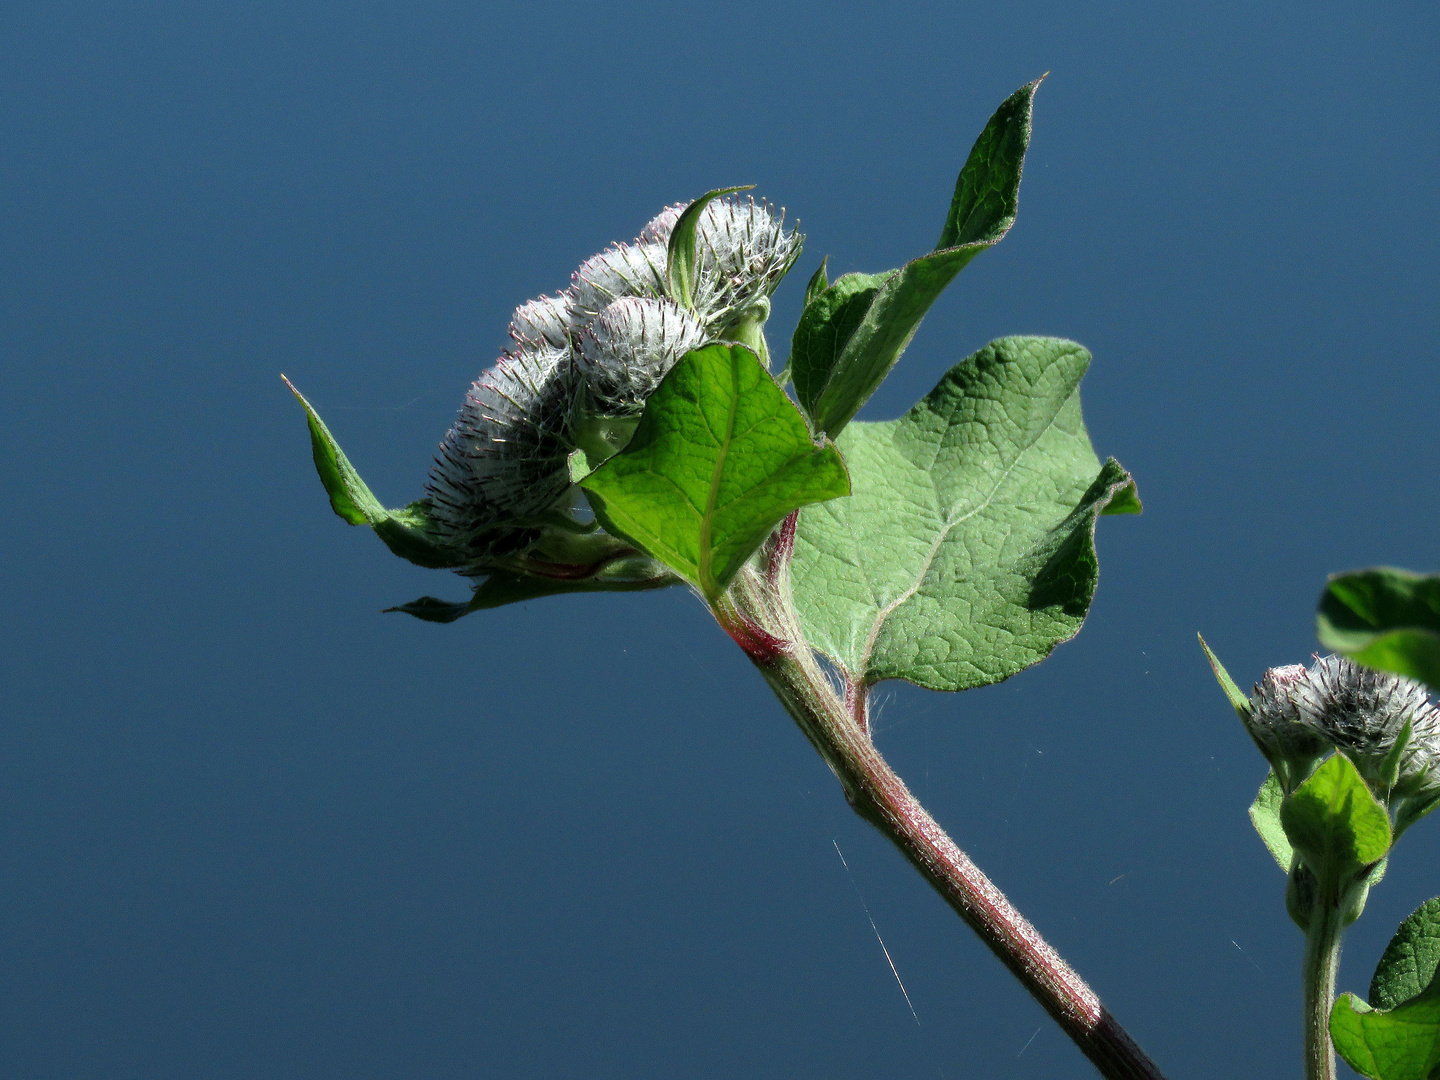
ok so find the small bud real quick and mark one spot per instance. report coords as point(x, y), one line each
point(619, 271)
point(659, 228)
point(745, 249)
point(1285, 736)
point(546, 319)
point(630, 347)
point(1384, 723)
point(506, 457)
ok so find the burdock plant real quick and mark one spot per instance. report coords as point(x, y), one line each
point(1354, 761)
point(637, 436)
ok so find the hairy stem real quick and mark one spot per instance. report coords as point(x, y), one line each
point(759, 617)
point(1322, 962)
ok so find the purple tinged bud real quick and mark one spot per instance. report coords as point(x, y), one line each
point(546, 319)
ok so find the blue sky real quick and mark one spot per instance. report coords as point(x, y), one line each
point(250, 827)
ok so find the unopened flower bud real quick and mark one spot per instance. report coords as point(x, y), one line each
point(1384, 723)
point(547, 319)
point(619, 271)
point(659, 228)
point(1291, 744)
point(746, 248)
point(505, 458)
point(629, 348)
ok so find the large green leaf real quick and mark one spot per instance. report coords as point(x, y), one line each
point(853, 332)
point(1334, 823)
point(1384, 618)
point(1410, 959)
point(720, 457)
point(407, 531)
point(1265, 816)
point(966, 552)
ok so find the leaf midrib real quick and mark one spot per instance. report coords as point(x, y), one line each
point(707, 554)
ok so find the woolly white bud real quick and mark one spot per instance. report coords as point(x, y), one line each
point(546, 319)
point(505, 458)
point(629, 348)
point(660, 227)
point(745, 248)
point(619, 271)
point(1285, 735)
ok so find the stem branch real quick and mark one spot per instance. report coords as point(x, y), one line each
point(1322, 962)
point(838, 728)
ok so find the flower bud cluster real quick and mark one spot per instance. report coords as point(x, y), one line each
point(1385, 724)
point(598, 349)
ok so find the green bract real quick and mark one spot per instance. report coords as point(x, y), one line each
point(966, 552)
point(1335, 825)
point(720, 456)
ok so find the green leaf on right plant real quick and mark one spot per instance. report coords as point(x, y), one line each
point(1265, 816)
point(1384, 618)
point(852, 333)
point(1334, 823)
point(1396, 1036)
point(966, 552)
point(721, 455)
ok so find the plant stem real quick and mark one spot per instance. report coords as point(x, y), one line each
point(759, 617)
point(1322, 962)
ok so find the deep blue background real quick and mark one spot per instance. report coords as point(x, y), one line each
point(251, 828)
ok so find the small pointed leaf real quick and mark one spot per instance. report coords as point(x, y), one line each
point(720, 457)
point(1238, 701)
point(818, 281)
point(836, 370)
point(680, 255)
point(407, 531)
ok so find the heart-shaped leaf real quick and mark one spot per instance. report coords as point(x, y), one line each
point(966, 552)
point(721, 455)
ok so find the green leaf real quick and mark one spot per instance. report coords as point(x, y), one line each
point(826, 325)
point(407, 532)
point(503, 587)
point(720, 457)
point(837, 369)
point(680, 255)
point(1238, 701)
point(1401, 1044)
point(1265, 816)
point(988, 188)
point(1384, 618)
point(1410, 959)
point(1334, 823)
point(966, 552)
